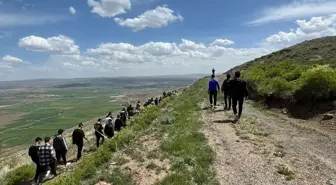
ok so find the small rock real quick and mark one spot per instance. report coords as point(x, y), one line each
point(332, 182)
point(328, 116)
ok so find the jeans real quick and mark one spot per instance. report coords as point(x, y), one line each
point(98, 136)
point(43, 170)
point(213, 97)
point(226, 98)
point(61, 155)
point(240, 101)
point(79, 151)
point(37, 171)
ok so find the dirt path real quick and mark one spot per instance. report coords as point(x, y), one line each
point(267, 148)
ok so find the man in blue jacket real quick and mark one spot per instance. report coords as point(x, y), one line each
point(212, 90)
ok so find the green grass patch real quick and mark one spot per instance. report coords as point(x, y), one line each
point(190, 154)
point(89, 164)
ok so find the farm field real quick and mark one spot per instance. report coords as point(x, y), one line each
point(40, 109)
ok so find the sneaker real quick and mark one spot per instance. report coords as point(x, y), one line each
point(48, 172)
point(236, 118)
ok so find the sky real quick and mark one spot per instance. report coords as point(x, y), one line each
point(107, 38)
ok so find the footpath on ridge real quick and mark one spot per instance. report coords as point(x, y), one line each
point(265, 147)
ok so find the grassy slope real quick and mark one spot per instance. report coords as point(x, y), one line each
point(302, 74)
point(181, 142)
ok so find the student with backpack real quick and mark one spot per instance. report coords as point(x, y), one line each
point(60, 147)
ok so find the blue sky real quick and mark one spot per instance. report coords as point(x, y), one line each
point(45, 39)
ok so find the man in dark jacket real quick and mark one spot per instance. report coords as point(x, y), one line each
point(212, 90)
point(109, 130)
point(78, 137)
point(118, 123)
point(226, 90)
point(98, 127)
point(123, 116)
point(239, 92)
point(32, 152)
point(60, 147)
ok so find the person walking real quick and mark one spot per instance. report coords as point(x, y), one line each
point(227, 92)
point(98, 127)
point(60, 147)
point(213, 71)
point(109, 130)
point(118, 123)
point(47, 159)
point(32, 152)
point(78, 137)
point(239, 92)
point(212, 90)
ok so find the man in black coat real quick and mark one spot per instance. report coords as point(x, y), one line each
point(32, 152)
point(98, 127)
point(60, 147)
point(227, 92)
point(239, 92)
point(78, 137)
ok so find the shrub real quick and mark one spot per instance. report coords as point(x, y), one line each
point(317, 83)
point(20, 174)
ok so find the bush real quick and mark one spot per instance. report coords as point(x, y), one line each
point(21, 174)
point(318, 83)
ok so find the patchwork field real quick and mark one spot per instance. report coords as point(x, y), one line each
point(30, 109)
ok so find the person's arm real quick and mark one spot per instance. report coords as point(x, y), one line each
point(223, 87)
point(53, 153)
point(218, 87)
point(84, 135)
point(208, 86)
point(64, 144)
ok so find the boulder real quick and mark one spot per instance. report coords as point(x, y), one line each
point(328, 116)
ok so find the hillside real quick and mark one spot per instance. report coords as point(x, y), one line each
point(299, 76)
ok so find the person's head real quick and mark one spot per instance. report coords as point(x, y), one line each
point(47, 140)
point(138, 101)
point(80, 125)
point(99, 119)
point(60, 131)
point(237, 74)
point(38, 140)
point(228, 76)
point(118, 116)
point(212, 76)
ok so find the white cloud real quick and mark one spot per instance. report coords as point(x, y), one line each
point(72, 10)
point(297, 9)
point(109, 8)
point(60, 44)
point(9, 58)
point(12, 19)
point(316, 27)
point(159, 17)
point(221, 42)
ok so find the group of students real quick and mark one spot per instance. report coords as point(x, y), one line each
point(48, 155)
point(235, 90)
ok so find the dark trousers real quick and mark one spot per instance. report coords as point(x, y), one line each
point(79, 151)
point(213, 97)
point(240, 102)
point(227, 98)
point(60, 154)
point(43, 170)
point(98, 137)
point(37, 171)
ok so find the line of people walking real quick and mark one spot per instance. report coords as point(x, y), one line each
point(53, 152)
point(235, 91)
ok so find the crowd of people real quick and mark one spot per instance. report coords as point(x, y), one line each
point(235, 90)
point(54, 150)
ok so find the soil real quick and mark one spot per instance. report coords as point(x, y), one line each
point(258, 148)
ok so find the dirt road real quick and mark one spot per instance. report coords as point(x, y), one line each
point(268, 148)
